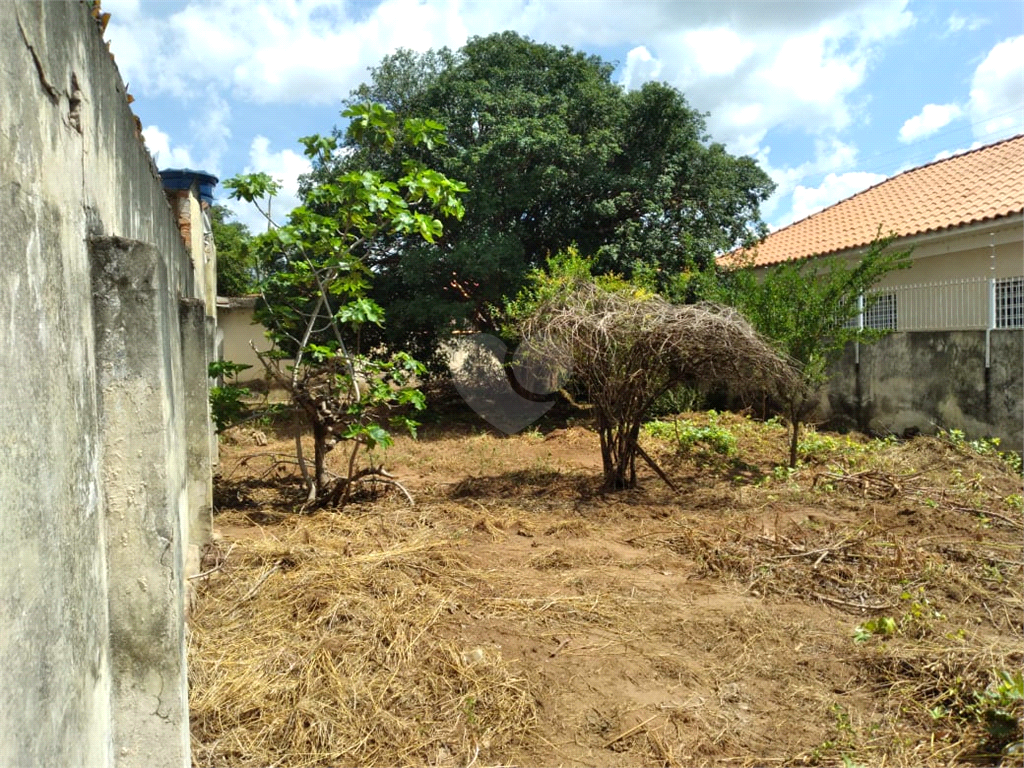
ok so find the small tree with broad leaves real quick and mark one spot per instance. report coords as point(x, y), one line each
point(314, 285)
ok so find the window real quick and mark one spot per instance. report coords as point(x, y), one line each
point(881, 314)
point(1010, 302)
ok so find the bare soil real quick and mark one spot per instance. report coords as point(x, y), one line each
point(518, 616)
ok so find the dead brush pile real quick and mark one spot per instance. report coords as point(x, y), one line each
point(327, 656)
point(954, 531)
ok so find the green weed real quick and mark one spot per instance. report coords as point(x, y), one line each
point(713, 437)
point(998, 707)
point(984, 446)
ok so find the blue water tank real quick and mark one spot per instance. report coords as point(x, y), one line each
point(183, 178)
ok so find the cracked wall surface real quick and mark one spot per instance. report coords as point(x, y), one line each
point(103, 414)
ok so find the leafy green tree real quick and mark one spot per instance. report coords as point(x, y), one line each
point(554, 153)
point(808, 310)
point(315, 291)
point(236, 274)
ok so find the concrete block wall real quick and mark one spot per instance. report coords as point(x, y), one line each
point(924, 380)
point(104, 420)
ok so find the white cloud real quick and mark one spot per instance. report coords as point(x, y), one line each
point(209, 136)
point(211, 129)
point(640, 68)
point(164, 155)
point(121, 8)
point(717, 51)
point(753, 66)
point(797, 67)
point(285, 167)
point(304, 51)
point(931, 118)
point(830, 156)
point(790, 65)
point(996, 106)
point(957, 23)
point(808, 200)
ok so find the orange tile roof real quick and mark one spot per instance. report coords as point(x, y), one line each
point(980, 185)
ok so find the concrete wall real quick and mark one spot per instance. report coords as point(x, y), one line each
point(97, 492)
point(929, 379)
point(237, 329)
point(234, 319)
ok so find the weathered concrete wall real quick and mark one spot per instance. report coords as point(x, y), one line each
point(94, 481)
point(929, 379)
point(142, 428)
point(195, 360)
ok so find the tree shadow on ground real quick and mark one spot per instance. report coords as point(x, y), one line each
point(527, 483)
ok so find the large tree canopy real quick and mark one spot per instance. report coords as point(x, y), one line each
point(236, 274)
point(554, 153)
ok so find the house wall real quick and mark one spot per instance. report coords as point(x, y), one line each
point(238, 329)
point(1006, 260)
point(946, 288)
point(927, 380)
point(97, 494)
point(932, 373)
point(988, 249)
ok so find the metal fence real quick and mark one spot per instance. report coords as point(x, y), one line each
point(953, 305)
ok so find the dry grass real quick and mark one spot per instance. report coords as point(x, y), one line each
point(518, 616)
point(328, 656)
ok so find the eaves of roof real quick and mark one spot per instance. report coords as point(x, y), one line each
point(981, 185)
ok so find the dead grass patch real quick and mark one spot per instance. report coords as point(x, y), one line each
point(330, 656)
point(519, 616)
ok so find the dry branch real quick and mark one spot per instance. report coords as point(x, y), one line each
point(627, 349)
point(260, 582)
point(338, 495)
point(629, 731)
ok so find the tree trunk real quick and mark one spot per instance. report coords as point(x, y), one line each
point(319, 455)
point(794, 421)
point(618, 455)
point(306, 479)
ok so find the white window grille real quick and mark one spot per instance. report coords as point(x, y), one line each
point(966, 304)
point(880, 314)
point(1010, 302)
point(854, 322)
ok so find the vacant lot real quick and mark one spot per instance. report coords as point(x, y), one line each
point(858, 611)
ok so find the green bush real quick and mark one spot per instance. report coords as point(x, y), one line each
point(816, 446)
point(681, 399)
point(226, 406)
point(999, 708)
point(984, 446)
point(712, 437)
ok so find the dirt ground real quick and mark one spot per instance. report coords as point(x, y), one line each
point(855, 612)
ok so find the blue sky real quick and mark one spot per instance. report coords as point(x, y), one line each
point(830, 97)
